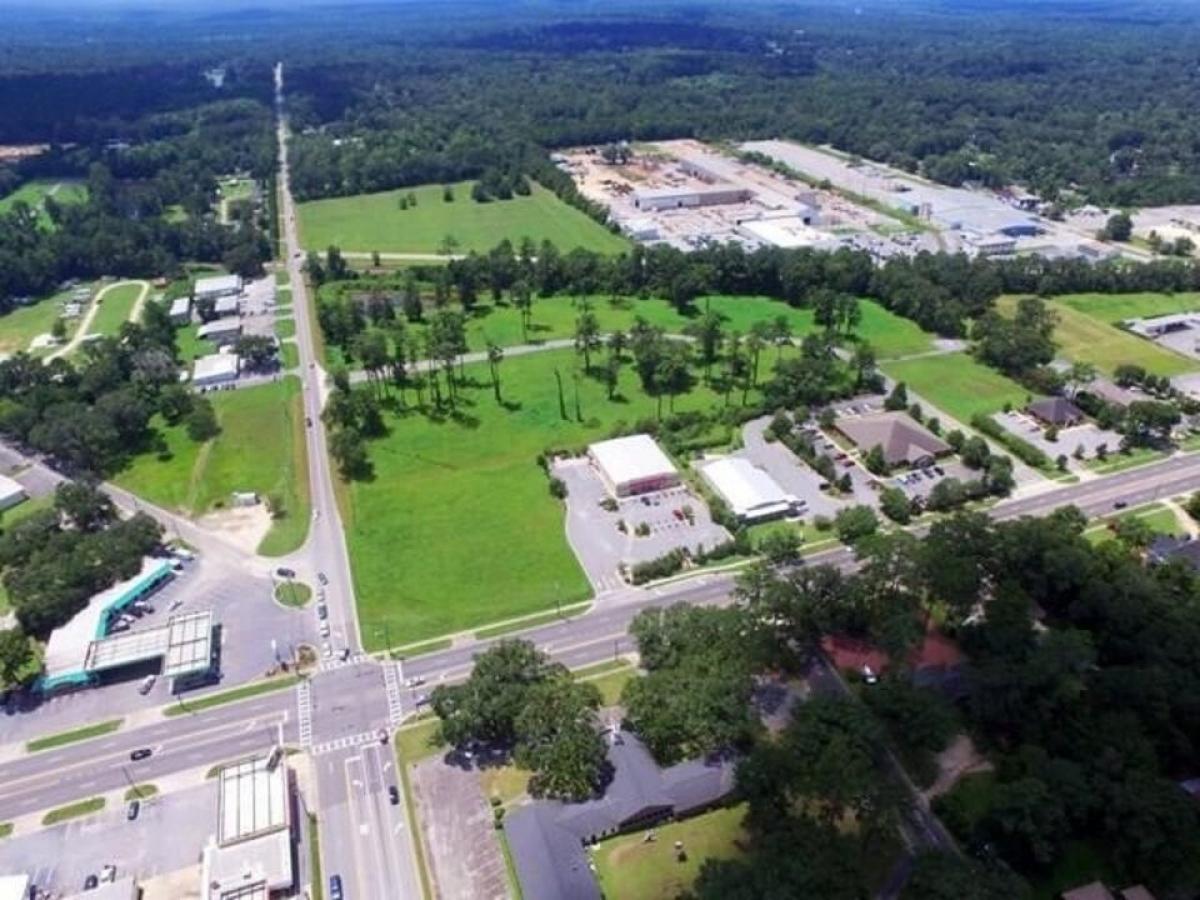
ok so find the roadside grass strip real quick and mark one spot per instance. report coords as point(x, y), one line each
point(532, 621)
point(242, 693)
point(74, 810)
point(317, 889)
point(49, 742)
point(141, 792)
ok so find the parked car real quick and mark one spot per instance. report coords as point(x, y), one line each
point(321, 578)
point(324, 629)
point(335, 887)
point(283, 572)
point(326, 650)
point(415, 681)
point(90, 883)
point(147, 684)
point(132, 810)
point(939, 470)
point(393, 795)
point(140, 754)
point(108, 874)
point(322, 611)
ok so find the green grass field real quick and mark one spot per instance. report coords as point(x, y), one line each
point(1118, 307)
point(458, 528)
point(632, 869)
point(555, 317)
point(958, 385)
point(23, 324)
point(260, 448)
point(189, 343)
point(1084, 338)
point(285, 328)
point(35, 192)
point(116, 303)
point(367, 223)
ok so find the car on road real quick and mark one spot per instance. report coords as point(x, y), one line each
point(91, 883)
point(335, 887)
point(283, 572)
point(147, 684)
point(321, 578)
point(421, 699)
point(1120, 504)
point(415, 681)
point(132, 810)
point(393, 795)
point(140, 753)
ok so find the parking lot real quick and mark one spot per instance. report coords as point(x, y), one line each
point(168, 834)
point(601, 546)
point(919, 483)
point(1088, 436)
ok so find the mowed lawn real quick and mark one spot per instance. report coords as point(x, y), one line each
point(116, 304)
point(1118, 307)
point(631, 868)
point(24, 323)
point(1083, 338)
point(375, 222)
point(35, 192)
point(554, 318)
point(458, 528)
point(957, 384)
point(260, 448)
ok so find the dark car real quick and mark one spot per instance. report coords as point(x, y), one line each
point(322, 611)
point(140, 753)
point(335, 887)
point(285, 573)
point(131, 811)
point(393, 795)
point(321, 578)
point(90, 883)
point(1120, 504)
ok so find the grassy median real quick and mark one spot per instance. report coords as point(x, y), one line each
point(74, 810)
point(242, 693)
point(70, 737)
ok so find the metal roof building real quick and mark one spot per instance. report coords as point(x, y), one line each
point(217, 286)
point(12, 492)
point(752, 494)
point(122, 889)
point(180, 312)
point(216, 368)
point(227, 306)
point(220, 330)
point(633, 465)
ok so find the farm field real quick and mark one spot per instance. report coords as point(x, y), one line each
point(116, 303)
point(24, 323)
point(260, 448)
point(431, 536)
point(554, 318)
point(64, 191)
point(1117, 307)
point(374, 222)
point(632, 869)
point(1084, 338)
point(957, 384)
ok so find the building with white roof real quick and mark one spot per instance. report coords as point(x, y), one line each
point(216, 368)
point(14, 887)
point(752, 494)
point(633, 465)
point(220, 331)
point(217, 286)
point(89, 644)
point(227, 306)
point(181, 311)
point(788, 232)
point(11, 492)
point(121, 889)
point(250, 857)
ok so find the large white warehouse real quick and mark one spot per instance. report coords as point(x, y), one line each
point(633, 465)
point(752, 494)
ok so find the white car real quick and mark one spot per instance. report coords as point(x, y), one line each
point(325, 629)
point(326, 650)
point(415, 681)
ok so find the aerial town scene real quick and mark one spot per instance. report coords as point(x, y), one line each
point(501, 449)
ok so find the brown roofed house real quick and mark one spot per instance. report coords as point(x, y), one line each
point(902, 439)
point(1056, 411)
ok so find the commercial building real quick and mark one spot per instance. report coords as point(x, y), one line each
point(11, 492)
point(655, 199)
point(96, 641)
point(1111, 393)
point(1163, 325)
point(217, 286)
point(788, 232)
point(547, 838)
point(220, 331)
point(752, 494)
point(181, 311)
point(1057, 411)
point(250, 857)
point(633, 465)
point(902, 439)
point(121, 889)
point(215, 369)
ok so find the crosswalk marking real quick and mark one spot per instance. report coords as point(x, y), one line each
point(304, 702)
point(393, 681)
point(345, 743)
point(330, 664)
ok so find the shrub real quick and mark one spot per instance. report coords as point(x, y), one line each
point(895, 505)
point(663, 566)
point(608, 504)
point(558, 488)
point(1019, 447)
point(642, 530)
point(855, 523)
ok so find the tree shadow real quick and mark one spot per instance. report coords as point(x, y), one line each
point(511, 405)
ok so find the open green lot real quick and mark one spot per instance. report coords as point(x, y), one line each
point(1118, 307)
point(64, 191)
point(116, 304)
point(260, 448)
point(1084, 338)
point(367, 223)
point(23, 324)
point(633, 869)
point(957, 384)
point(554, 318)
point(458, 529)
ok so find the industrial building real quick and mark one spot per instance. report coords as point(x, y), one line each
point(216, 369)
point(220, 331)
point(788, 232)
point(217, 286)
point(902, 439)
point(95, 642)
point(1160, 326)
point(250, 857)
point(633, 465)
point(181, 311)
point(656, 199)
point(11, 492)
point(752, 494)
